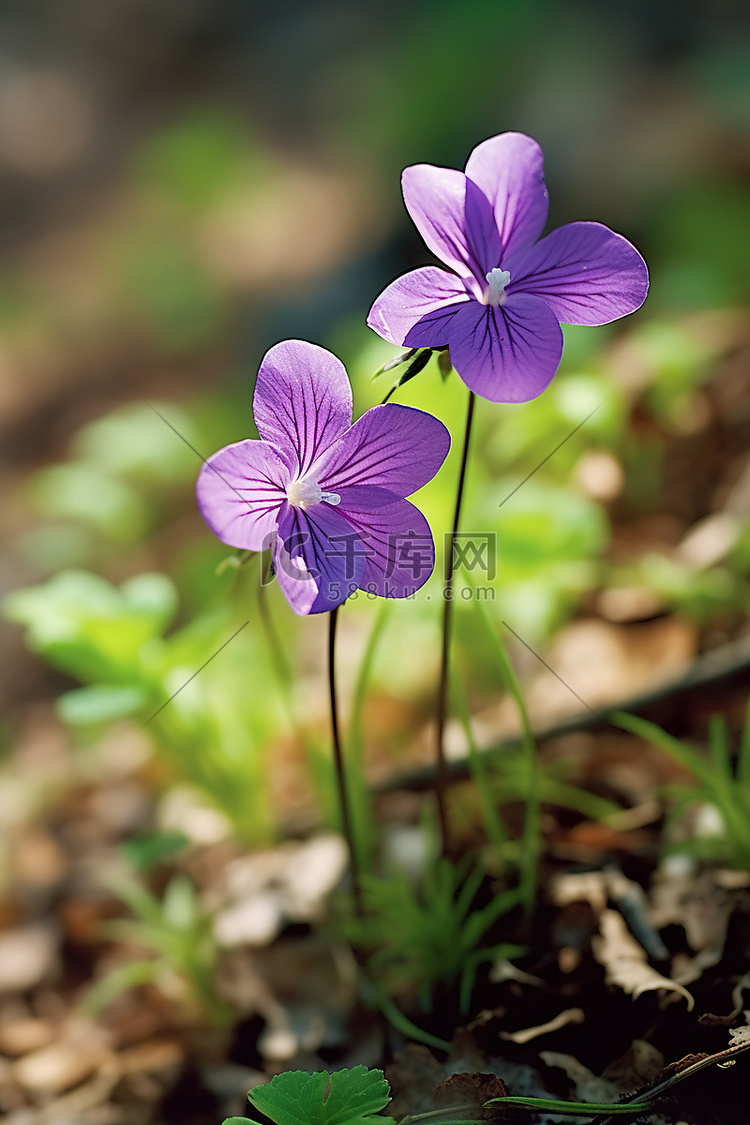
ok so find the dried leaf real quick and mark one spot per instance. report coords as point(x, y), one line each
point(470, 1092)
point(625, 961)
point(579, 886)
point(587, 1087)
point(741, 986)
point(526, 1034)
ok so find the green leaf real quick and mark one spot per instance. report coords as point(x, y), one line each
point(574, 1109)
point(144, 852)
point(99, 703)
point(152, 596)
point(88, 494)
point(119, 980)
point(135, 444)
point(84, 625)
point(348, 1097)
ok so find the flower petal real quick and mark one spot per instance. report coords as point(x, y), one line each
point(391, 446)
point(506, 353)
point(399, 546)
point(586, 273)
point(365, 498)
point(435, 199)
point(509, 169)
point(410, 298)
point(240, 490)
point(319, 558)
point(454, 217)
point(302, 402)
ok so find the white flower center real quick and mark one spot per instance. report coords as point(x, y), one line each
point(494, 294)
point(304, 492)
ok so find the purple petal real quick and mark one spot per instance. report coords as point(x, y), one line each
point(302, 402)
point(393, 447)
point(240, 491)
point(319, 558)
point(509, 169)
point(435, 199)
point(454, 218)
point(365, 498)
point(409, 299)
point(586, 273)
point(506, 353)
point(399, 546)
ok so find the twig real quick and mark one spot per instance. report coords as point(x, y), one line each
point(710, 668)
point(642, 1102)
point(719, 1059)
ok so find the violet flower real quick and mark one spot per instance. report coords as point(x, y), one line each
point(499, 313)
point(326, 496)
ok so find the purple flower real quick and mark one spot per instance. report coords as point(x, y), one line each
point(499, 313)
point(326, 496)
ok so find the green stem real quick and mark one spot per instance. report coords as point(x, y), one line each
point(443, 1116)
point(722, 1058)
point(635, 1104)
point(346, 821)
point(573, 1109)
point(531, 834)
point(402, 1023)
point(359, 792)
point(441, 779)
point(493, 822)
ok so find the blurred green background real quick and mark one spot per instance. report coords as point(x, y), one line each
point(185, 182)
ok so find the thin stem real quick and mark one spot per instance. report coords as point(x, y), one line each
point(402, 1023)
point(722, 1058)
point(441, 778)
point(346, 821)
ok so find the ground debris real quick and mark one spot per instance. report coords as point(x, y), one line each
point(626, 962)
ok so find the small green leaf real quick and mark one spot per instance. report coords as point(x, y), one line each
point(144, 852)
point(574, 1109)
point(119, 980)
point(99, 703)
point(445, 365)
point(347, 1097)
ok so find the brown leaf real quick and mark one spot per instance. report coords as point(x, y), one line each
point(469, 1090)
point(526, 1034)
point(625, 960)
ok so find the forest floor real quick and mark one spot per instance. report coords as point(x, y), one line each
point(636, 965)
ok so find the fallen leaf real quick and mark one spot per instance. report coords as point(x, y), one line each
point(19, 1036)
point(59, 1066)
point(413, 1075)
point(470, 1091)
point(742, 985)
point(526, 1034)
point(28, 955)
point(693, 899)
point(640, 1064)
point(604, 662)
point(625, 960)
point(579, 886)
point(155, 1055)
point(587, 1087)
